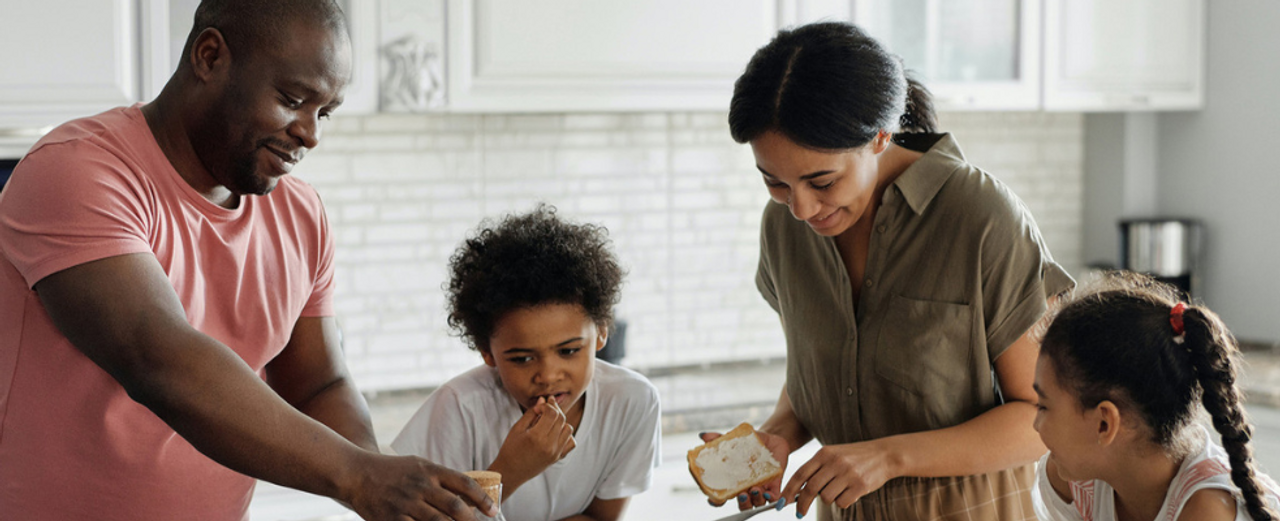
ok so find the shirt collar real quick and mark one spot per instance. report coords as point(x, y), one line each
point(921, 181)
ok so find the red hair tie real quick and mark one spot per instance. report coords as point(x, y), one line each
point(1175, 318)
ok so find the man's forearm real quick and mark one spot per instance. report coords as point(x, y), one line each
point(342, 408)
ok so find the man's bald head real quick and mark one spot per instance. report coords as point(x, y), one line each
point(251, 25)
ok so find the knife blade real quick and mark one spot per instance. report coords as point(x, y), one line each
point(747, 514)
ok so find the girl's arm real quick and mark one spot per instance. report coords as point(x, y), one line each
point(602, 510)
point(995, 440)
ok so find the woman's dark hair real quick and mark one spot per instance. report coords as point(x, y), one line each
point(525, 261)
point(1114, 341)
point(827, 86)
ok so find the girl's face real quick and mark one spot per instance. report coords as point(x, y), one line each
point(828, 190)
point(547, 351)
point(1067, 429)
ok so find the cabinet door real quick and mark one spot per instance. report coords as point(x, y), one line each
point(972, 54)
point(588, 55)
point(66, 58)
point(1131, 55)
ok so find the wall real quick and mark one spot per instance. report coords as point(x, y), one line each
point(1215, 165)
point(681, 200)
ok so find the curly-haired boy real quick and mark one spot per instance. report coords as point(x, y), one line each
point(570, 434)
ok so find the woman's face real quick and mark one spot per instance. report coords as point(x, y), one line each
point(1067, 429)
point(828, 190)
point(547, 351)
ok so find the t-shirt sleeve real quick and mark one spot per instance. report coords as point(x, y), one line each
point(439, 432)
point(1019, 274)
point(638, 452)
point(72, 203)
point(1049, 506)
point(320, 303)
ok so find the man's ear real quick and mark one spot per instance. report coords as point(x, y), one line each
point(1108, 417)
point(488, 357)
point(209, 55)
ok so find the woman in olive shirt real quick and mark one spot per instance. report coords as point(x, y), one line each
point(907, 281)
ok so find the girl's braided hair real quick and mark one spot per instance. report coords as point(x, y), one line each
point(1114, 341)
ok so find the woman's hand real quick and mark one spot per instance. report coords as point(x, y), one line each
point(840, 474)
point(540, 438)
point(758, 496)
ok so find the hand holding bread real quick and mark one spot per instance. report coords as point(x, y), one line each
point(742, 463)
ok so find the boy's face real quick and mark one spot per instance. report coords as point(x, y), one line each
point(545, 351)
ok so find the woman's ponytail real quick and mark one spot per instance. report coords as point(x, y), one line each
point(1210, 348)
point(919, 117)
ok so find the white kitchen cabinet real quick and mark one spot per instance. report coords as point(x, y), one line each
point(1131, 55)
point(574, 55)
point(971, 54)
point(64, 59)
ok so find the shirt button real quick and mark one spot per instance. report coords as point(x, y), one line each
point(870, 283)
point(882, 228)
point(848, 391)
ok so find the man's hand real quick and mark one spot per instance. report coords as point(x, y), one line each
point(540, 438)
point(408, 487)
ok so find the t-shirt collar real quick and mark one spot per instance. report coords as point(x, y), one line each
point(921, 181)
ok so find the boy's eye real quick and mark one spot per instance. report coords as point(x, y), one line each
point(817, 186)
point(520, 359)
point(570, 351)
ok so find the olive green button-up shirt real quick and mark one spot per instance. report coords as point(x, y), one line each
point(957, 271)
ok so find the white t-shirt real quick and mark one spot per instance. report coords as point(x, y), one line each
point(1095, 500)
point(463, 423)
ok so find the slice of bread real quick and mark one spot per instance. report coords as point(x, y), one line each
point(732, 464)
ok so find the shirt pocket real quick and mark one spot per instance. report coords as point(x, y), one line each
point(924, 346)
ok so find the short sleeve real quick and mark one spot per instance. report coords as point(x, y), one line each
point(1019, 275)
point(72, 203)
point(320, 303)
point(1049, 506)
point(638, 452)
point(438, 433)
point(764, 272)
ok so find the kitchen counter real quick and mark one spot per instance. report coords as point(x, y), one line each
point(717, 397)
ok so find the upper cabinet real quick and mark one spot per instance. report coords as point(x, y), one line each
point(1132, 55)
point(570, 55)
point(71, 58)
point(64, 59)
point(971, 54)
point(1069, 55)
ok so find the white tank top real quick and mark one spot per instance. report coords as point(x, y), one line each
point(1095, 500)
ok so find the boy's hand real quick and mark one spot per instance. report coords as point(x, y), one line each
point(540, 438)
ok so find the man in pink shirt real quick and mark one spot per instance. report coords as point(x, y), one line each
point(166, 315)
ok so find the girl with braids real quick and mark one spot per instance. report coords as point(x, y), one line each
point(1120, 375)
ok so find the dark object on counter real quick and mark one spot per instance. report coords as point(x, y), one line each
point(1165, 248)
point(615, 348)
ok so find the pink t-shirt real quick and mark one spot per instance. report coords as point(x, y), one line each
point(73, 445)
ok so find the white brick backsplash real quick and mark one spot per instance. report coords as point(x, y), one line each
point(681, 200)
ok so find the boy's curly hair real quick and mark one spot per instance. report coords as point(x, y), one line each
point(529, 260)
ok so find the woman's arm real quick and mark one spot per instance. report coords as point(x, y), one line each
point(602, 510)
point(995, 440)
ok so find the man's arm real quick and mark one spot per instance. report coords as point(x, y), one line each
point(122, 313)
point(311, 375)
